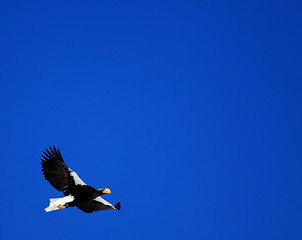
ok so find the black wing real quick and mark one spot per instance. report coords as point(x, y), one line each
point(56, 172)
point(97, 204)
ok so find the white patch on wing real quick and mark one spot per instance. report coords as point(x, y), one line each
point(55, 202)
point(77, 179)
point(101, 200)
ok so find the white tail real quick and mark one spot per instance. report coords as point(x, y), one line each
point(55, 202)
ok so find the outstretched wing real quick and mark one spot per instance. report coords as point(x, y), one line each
point(56, 172)
point(97, 204)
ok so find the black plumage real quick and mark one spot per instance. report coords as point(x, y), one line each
point(77, 193)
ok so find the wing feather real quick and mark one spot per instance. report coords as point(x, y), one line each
point(56, 172)
point(97, 204)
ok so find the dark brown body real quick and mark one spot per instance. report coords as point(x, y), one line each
point(82, 194)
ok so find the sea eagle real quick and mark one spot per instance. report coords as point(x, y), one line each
point(77, 193)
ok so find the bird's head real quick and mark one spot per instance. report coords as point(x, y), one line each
point(103, 191)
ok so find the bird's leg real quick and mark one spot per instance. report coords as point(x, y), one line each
point(61, 206)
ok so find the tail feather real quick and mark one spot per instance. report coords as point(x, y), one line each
point(55, 202)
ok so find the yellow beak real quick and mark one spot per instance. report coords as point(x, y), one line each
point(106, 190)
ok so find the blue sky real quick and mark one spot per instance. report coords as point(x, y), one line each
point(189, 111)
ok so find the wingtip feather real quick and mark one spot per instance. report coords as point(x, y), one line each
point(117, 206)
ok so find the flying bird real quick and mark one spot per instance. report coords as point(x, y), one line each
point(77, 193)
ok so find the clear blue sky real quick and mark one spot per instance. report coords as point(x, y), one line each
point(189, 111)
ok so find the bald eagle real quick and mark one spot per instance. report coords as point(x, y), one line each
point(77, 193)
